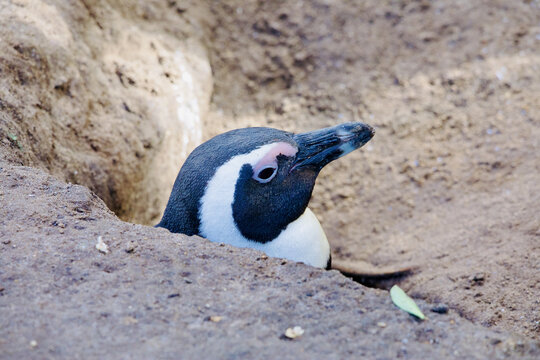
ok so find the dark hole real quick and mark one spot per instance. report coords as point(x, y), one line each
point(378, 281)
point(266, 173)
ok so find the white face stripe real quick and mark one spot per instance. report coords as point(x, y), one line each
point(215, 207)
point(302, 240)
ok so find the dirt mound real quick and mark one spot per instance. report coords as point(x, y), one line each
point(159, 295)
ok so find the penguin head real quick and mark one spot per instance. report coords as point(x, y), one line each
point(252, 183)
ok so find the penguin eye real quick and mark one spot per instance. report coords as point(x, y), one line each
point(265, 174)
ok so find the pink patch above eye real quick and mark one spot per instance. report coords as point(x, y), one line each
point(270, 158)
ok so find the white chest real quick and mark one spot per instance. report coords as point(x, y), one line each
point(303, 240)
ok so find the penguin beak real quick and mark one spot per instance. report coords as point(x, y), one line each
point(318, 148)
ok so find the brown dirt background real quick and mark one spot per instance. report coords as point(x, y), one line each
point(450, 183)
point(91, 93)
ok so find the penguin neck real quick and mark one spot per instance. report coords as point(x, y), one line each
point(215, 206)
point(303, 240)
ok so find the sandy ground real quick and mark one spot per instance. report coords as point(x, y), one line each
point(448, 186)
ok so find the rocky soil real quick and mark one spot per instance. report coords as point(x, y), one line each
point(113, 96)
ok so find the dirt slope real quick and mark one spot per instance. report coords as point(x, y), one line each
point(159, 295)
point(95, 91)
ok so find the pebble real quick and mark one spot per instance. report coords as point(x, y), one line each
point(294, 332)
point(440, 309)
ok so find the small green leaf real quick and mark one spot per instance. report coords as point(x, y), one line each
point(404, 302)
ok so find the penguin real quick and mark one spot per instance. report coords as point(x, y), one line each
point(250, 188)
